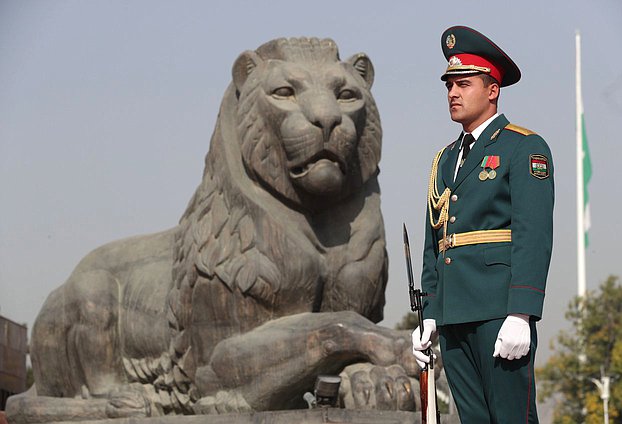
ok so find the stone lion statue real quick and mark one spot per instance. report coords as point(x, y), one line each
point(275, 274)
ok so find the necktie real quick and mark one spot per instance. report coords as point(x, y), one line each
point(466, 147)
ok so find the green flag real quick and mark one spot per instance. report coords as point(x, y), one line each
point(587, 176)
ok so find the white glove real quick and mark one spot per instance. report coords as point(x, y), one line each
point(514, 337)
point(422, 342)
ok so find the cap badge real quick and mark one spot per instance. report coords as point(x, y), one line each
point(450, 41)
point(454, 61)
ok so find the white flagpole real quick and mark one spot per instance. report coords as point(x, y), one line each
point(581, 286)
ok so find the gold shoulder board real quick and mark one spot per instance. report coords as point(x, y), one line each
point(517, 129)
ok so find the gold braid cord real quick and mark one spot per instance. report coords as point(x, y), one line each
point(436, 201)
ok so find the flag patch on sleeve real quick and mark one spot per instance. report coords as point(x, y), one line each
point(539, 166)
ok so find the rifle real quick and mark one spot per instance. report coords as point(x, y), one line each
point(427, 384)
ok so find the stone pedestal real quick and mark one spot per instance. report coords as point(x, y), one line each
point(306, 416)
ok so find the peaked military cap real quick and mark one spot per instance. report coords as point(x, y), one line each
point(470, 52)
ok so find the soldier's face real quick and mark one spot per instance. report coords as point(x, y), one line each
point(470, 102)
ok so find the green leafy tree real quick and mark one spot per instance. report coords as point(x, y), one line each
point(410, 321)
point(590, 349)
point(30, 377)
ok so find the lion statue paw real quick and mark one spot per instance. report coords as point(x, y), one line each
point(369, 386)
point(224, 402)
point(131, 401)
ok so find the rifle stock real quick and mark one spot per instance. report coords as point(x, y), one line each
point(427, 383)
point(431, 410)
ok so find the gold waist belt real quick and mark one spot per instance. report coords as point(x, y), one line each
point(474, 237)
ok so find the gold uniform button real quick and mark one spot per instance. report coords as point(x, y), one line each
point(447, 261)
point(452, 219)
point(454, 197)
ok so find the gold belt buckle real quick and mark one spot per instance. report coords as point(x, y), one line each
point(450, 241)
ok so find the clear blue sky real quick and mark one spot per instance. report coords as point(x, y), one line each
point(107, 108)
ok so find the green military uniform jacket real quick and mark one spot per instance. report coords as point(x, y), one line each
point(491, 280)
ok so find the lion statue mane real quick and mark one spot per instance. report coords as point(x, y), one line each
point(275, 274)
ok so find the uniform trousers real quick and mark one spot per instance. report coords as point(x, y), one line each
point(488, 390)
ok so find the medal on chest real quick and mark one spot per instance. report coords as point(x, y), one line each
point(489, 164)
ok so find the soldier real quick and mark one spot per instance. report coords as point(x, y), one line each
point(488, 240)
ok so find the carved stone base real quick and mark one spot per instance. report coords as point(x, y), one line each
point(305, 416)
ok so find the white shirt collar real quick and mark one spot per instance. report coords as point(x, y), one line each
point(480, 129)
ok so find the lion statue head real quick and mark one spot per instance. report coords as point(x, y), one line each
point(308, 125)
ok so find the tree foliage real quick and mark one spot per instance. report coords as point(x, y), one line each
point(590, 349)
point(410, 321)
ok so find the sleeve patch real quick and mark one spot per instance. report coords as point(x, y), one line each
point(539, 166)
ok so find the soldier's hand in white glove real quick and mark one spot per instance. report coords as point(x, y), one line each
point(423, 341)
point(514, 337)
